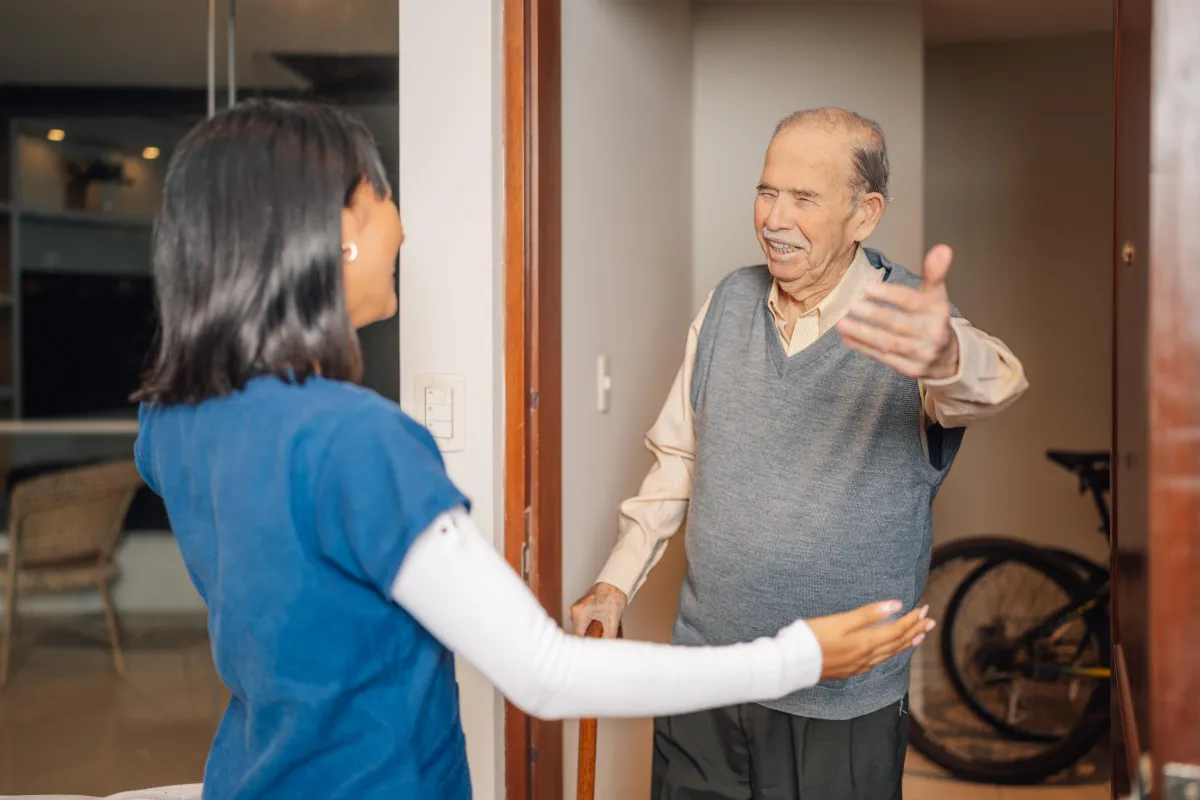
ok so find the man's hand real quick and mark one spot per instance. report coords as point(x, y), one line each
point(604, 603)
point(912, 337)
point(854, 642)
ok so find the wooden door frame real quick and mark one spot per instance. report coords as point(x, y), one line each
point(1125, 744)
point(533, 373)
point(533, 353)
point(1173, 537)
point(1166, 254)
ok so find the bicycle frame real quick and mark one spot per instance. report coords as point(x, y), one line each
point(1053, 623)
point(1089, 482)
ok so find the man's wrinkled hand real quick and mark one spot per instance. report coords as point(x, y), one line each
point(603, 603)
point(907, 329)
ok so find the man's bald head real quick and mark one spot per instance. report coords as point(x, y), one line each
point(822, 192)
point(868, 149)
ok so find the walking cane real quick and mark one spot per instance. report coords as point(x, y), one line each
point(585, 786)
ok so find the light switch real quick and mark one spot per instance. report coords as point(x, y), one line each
point(438, 405)
point(439, 413)
point(603, 385)
point(438, 396)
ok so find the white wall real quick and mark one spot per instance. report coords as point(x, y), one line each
point(153, 580)
point(756, 63)
point(626, 294)
point(450, 287)
point(1019, 179)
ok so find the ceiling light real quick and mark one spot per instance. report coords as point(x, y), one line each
point(150, 153)
point(56, 135)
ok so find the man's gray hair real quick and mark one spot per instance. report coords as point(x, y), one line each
point(868, 151)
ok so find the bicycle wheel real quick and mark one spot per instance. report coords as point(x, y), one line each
point(1095, 574)
point(990, 671)
point(946, 728)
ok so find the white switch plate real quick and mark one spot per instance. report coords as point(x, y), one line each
point(603, 385)
point(438, 405)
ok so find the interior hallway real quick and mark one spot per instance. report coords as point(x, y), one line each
point(68, 724)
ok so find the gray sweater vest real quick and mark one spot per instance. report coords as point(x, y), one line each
point(812, 491)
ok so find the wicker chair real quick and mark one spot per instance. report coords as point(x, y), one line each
point(62, 530)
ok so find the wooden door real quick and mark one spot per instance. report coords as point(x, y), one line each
point(1130, 385)
point(533, 355)
point(1156, 553)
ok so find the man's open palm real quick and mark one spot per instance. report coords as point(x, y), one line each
point(907, 329)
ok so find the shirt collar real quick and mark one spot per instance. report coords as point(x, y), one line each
point(837, 303)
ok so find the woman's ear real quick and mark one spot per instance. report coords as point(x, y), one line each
point(351, 226)
point(355, 215)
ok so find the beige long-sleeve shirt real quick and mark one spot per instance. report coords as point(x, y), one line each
point(989, 379)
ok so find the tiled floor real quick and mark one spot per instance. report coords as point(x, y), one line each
point(923, 781)
point(69, 725)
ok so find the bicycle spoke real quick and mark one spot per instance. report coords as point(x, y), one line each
point(1027, 686)
point(1016, 687)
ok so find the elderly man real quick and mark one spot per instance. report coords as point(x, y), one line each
point(820, 404)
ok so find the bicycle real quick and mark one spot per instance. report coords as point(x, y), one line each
point(1030, 677)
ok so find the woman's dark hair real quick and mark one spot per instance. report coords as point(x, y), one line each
point(248, 250)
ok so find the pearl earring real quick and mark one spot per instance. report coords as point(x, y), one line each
point(350, 251)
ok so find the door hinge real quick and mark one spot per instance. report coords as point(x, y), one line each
point(1181, 781)
point(527, 545)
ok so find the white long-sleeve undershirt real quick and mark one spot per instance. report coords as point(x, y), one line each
point(459, 588)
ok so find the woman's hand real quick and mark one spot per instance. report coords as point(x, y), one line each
point(854, 642)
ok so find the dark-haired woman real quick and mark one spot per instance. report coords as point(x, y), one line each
point(339, 566)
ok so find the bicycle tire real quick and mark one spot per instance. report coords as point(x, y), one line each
point(1074, 746)
point(1034, 560)
point(1092, 572)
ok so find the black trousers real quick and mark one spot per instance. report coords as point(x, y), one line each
point(750, 752)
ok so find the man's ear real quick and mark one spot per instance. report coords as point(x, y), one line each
point(867, 215)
